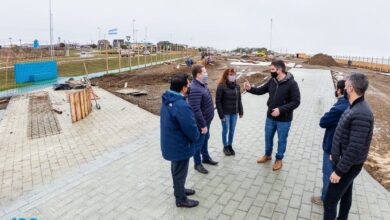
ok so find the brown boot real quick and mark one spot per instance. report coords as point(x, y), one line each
point(317, 200)
point(264, 159)
point(277, 165)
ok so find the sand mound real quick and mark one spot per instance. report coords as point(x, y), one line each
point(322, 60)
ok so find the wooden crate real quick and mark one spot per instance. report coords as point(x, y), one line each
point(80, 104)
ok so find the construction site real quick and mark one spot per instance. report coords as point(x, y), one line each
point(48, 132)
point(132, 109)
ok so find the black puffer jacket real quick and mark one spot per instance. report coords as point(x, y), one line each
point(228, 100)
point(352, 138)
point(283, 94)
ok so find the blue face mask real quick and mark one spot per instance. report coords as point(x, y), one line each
point(205, 78)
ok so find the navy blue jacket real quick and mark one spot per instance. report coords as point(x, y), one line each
point(330, 120)
point(201, 103)
point(178, 127)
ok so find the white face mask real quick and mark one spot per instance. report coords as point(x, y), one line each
point(232, 78)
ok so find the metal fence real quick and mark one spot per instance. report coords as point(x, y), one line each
point(372, 63)
point(103, 62)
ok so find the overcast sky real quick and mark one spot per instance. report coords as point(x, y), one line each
point(344, 27)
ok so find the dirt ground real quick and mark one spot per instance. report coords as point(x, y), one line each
point(155, 80)
point(378, 96)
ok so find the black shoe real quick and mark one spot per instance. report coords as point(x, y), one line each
point(200, 168)
point(231, 150)
point(189, 192)
point(226, 151)
point(188, 203)
point(210, 162)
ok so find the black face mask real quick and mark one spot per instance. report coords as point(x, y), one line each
point(335, 94)
point(346, 94)
point(274, 74)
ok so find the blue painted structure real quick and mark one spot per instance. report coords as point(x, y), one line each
point(37, 71)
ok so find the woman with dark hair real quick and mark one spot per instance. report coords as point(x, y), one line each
point(229, 105)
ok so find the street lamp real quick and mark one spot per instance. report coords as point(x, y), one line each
point(51, 30)
point(10, 41)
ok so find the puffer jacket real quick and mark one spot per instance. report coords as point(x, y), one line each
point(228, 99)
point(352, 139)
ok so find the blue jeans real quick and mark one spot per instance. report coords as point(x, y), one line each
point(327, 169)
point(201, 147)
point(228, 125)
point(272, 126)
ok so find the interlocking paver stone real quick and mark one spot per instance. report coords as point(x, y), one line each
point(109, 166)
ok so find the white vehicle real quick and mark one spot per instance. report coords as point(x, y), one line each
point(126, 53)
point(85, 54)
point(146, 52)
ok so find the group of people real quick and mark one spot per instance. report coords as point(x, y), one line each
point(188, 109)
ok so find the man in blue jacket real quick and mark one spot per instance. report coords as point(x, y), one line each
point(178, 132)
point(329, 122)
point(202, 105)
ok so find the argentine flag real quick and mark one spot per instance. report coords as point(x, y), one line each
point(113, 31)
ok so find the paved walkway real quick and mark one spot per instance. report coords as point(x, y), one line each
point(133, 181)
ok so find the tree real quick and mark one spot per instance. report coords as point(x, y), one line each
point(124, 46)
point(62, 45)
point(93, 46)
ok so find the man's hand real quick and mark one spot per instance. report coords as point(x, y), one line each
point(204, 130)
point(247, 85)
point(275, 112)
point(334, 178)
point(330, 157)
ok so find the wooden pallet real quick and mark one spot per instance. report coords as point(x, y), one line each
point(80, 104)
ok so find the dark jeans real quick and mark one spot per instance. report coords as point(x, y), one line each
point(201, 147)
point(179, 171)
point(327, 169)
point(272, 126)
point(340, 191)
point(228, 126)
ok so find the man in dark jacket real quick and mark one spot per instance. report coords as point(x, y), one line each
point(284, 97)
point(351, 143)
point(329, 122)
point(202, 105)
point(178, 132)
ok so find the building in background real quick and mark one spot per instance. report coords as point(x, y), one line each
point(103, 44)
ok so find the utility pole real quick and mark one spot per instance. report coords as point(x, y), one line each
point(270, 38)
point(133, 30)
point(51, 31)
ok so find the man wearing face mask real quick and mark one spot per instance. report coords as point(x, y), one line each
point(329, 122)
point(350, 146)
point(178, 132)
point(201, 103)
point(284, 97)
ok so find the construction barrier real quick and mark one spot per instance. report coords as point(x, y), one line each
point(380, 65)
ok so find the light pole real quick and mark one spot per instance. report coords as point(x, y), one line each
point(51, 30)
point(134, 30)
point(10, 41)
point(270, 39)
point(98, 33)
